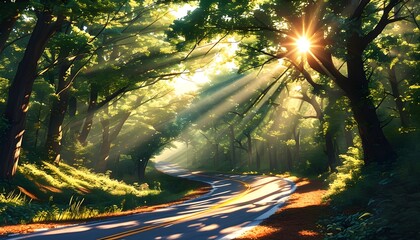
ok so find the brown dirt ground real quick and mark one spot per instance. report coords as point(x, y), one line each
point(297, 219)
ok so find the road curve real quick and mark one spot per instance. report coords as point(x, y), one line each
point(235, 204)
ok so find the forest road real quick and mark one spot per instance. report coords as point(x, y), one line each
point(235, 204)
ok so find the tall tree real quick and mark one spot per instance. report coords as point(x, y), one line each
point(21, 89)
point(344, 29)
point(50, 16)
point(70, 44)
point(325, 126)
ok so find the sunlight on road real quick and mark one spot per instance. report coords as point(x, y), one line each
point(119, 224)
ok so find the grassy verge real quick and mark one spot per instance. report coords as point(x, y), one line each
point(45, 193)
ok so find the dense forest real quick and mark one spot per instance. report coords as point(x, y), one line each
point(326, 89)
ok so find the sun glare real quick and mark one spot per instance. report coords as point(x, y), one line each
point(303, 44)
point(189, 84)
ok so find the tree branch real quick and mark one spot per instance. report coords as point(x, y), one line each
point(309, 117)
point(383, 22)
point(359, 10)
point(382, 100)
point(317, 87)
point(413, 16)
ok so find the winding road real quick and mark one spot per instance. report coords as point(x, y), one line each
point(235, 204)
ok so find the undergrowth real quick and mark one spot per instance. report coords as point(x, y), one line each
point(46, 192)
point(375, 202)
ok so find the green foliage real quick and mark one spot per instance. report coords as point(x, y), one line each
point(50, 193)
point(314, 161)
point(347, 174)
point(114, 48)
point(360, 225)
point(379, 204)
point(75, 42)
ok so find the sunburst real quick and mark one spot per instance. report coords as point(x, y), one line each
point(303, 44)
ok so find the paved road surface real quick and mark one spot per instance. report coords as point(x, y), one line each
point(235, 204)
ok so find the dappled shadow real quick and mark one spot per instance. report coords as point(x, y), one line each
point(304, 185)
point(230, 207)
point(297, 219)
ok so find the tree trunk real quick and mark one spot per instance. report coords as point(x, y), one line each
point(187, 153)
point(330, 150)
point(141, 168)
point(108, 136)
point(93, 107)
point(348, 137)
point(404, 119)
point(105, 145)
point(38, 126)
point(289, 159)
point(355, 86)
point(58, 111)
point(216, 155)
point(376, 147)
point(87, 124)
point(232, 147)
point(249, 142)
point(117, 129)
point(258, 158)
point(271, 156)
point(296, 135)
point(116, 173)
point(20, 92)
point(74, 127)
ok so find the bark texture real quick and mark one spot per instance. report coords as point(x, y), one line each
point(58, 111)
point(20, 92)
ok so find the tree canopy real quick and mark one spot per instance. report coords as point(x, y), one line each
point(316, 88)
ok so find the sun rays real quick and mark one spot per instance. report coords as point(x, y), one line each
point(303, 44)
point(235, 102)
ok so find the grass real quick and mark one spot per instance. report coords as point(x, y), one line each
point(46, 192)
